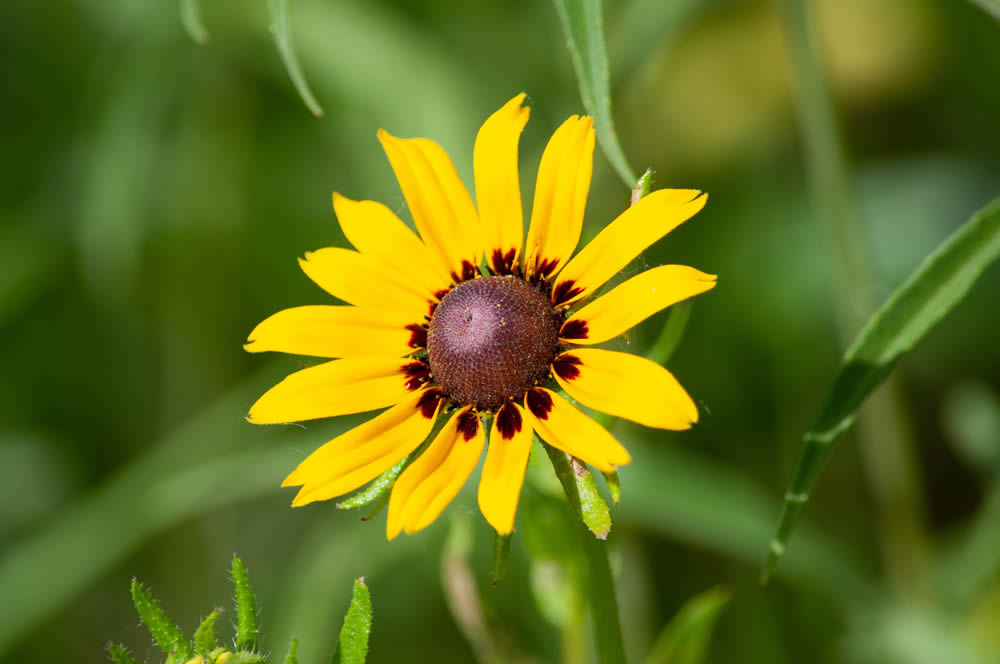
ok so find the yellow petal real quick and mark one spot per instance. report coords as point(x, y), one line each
point(564, 427)
point(366, 451)
point(341, 387)
point(441, 206)
point(560, 197)
point(633, 301)
point(364, 281)
point(375, 231)
point(623, 239)
point(498, 190)
point(431, 482)
point(626, 386)
point(327, 331)
point(503, 472)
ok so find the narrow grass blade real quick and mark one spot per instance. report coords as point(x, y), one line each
point(291, 657)
point(191, 19)
point(352, 646)
point(277, 10)
point(119, 655)
point(686, 637)
point(581, 490)
point(204, 636)
point(247, 628)
point(932, 291)
point(167, 635)
point(672, 333)
point(991, 7)
point(583, 23)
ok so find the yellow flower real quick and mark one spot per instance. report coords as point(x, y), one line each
point(431, 334)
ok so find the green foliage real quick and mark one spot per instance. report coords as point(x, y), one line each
point(247, 630)
point(583, 24)
point(167, 635)
point(352, 644)
point(204, 637)
point(278, 14)
point(685, 638)
point(191, 19)
point(119, 654)
point(927, 296)
point(501, 554)
point(581, 490)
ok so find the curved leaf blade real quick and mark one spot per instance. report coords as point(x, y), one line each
point(927, 296)
point(583, 23)
point(278, 13)
point(191, 18)
point(685, 638)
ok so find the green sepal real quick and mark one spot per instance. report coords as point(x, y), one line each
point(501, 553)
point(642, 187)
point(167, 635)
point(204, 636)
point(352, 644)
point(247, 629)
point(293, 648)
point(614, 486)
point(377, 489)
point(119, 655)
point(581, 490)
point(246, 658)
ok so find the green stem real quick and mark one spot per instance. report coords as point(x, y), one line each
point(883, 436)
point(600, 590)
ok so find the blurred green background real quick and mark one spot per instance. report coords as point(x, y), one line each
point(156, 193)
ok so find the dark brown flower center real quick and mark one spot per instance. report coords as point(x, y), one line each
point(490, 339)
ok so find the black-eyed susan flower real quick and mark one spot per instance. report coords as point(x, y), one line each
point(473, 323)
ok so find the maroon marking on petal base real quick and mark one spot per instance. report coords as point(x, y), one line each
point(566, 366)
point(574, 329)
point(508, 421)
point(429, 402)
point(418, 372)
point(539, 402)
point(503, 263)
point(468, 424)
point(468, 272)
point(545, 267)
point(564, 291)
point(418, 336)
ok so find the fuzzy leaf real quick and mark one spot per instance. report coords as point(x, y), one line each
point(119, 655)
point(204, 636)
point(247, 629)
point(927, 296)
point(167, 635)
point(583, 23)
point(352, 645)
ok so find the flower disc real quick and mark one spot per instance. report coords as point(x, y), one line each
point(490, 339)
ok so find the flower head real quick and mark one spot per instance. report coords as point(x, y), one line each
point(471, 324)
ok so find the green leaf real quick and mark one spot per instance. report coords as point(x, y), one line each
point(191, 19)
point(352, 645)
point(991, 7)
point(933, 290)
point(119, 655)
point(583, 24)
point(501, 553)
point(277, 10)
point(167, 635)
point(685, 638)
point(293, 648)
point(247, 629)
point(642, 187)
point(581, 490)
point(204, 636)
point(673, 330)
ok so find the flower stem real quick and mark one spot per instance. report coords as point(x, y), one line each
point(600, 589)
